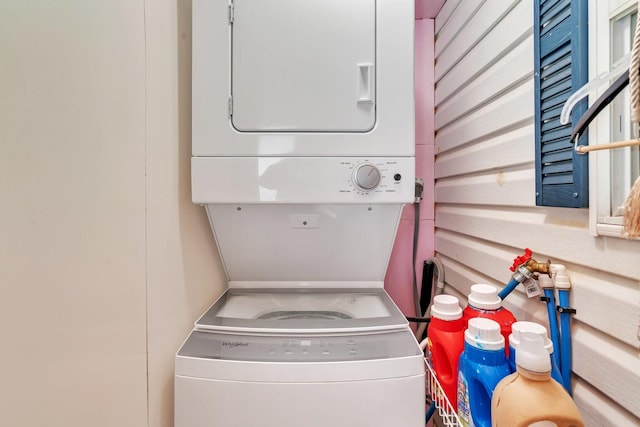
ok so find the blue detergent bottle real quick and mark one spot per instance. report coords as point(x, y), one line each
point(483, 364)
point(517, 329)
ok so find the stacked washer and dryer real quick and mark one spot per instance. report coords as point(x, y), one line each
point(303, 157)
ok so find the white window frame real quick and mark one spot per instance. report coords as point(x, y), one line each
point(603, 187)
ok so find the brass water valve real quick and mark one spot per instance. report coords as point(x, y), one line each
point(531, 264)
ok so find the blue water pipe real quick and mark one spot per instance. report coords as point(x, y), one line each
point(554, 331)
point(430, 412)
point(562, 284)
point(513, 283)
point(565, 333)
point(546, 283)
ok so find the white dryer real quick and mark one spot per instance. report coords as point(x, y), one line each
point(303, 78)
point(303, 144)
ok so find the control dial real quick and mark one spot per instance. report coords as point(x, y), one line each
point(366, 176)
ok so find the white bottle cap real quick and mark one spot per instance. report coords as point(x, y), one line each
point(484, 297)
point(518, 328)
point(484, 334)
point(531, 354)
point(446, 307)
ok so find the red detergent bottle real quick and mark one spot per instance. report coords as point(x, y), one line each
point(484, 302)
point(446, 342)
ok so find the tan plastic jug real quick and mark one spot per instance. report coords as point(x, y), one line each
point(529, 397)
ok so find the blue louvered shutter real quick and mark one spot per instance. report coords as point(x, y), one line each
point(561, 68)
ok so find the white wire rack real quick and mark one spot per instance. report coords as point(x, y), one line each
point(445, 411)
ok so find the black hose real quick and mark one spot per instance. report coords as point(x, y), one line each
point(418, 319)
point(427, 286)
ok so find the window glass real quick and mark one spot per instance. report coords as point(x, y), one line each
point(624, 161)
point(612, 26)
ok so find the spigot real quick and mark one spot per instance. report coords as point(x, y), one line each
point(539, 267)
point(530, 264)
point(525, 269)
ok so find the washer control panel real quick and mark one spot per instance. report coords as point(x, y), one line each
point(298, 348)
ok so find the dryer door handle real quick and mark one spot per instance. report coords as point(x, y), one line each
point(365, 79)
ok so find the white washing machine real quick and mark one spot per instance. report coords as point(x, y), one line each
point(330, 350)
point(291, 357)
point(303, 157)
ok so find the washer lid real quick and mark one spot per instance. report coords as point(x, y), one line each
point(302, 311)
point(282, 242)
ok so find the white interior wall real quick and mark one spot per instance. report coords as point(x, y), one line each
point(104, 261)
point(72, 214)
point(485, 203)
point(184, 273)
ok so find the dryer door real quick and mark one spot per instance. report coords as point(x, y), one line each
point(303, 78)
point(298, 66)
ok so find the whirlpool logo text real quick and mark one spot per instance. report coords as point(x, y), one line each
point(234, 344)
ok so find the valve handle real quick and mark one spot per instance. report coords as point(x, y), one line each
point(521, 259)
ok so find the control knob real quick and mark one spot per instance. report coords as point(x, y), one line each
point(366, 176)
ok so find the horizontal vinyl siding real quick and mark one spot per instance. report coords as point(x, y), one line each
point(485, 203)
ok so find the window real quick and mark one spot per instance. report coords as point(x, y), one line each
point(560, 68)
point(613, 171)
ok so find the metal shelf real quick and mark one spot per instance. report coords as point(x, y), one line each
point(445, 412)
